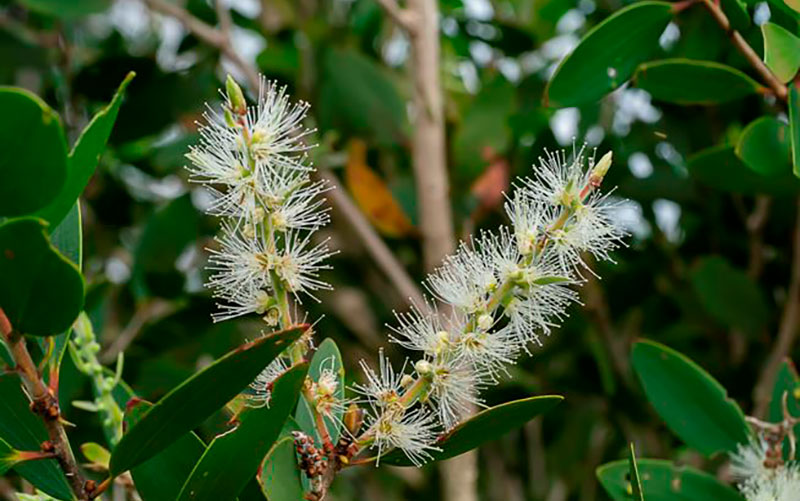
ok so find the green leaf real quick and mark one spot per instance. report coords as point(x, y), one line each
point(794, 125)
point(233, 459)
point(719, 167)
point(42, 291)
point(691, 402)
point(635, 481)
point(327, 356)
point(23, 430)
point(485, 124)
point(729, 295)
point(359, 97)
point(280, 475)
point(197, 398)
point(764, 146)
point(67, 237)
point(781, 51)
point(165, 236)
point(67, 8)
point(161, 477)
point(685, 81)
point(664, 481)
point(608, 55)
point(485, 426)
point(83, 158)
point(7, 457)
point(33, 166)
point(96, 453)
point(737, 14)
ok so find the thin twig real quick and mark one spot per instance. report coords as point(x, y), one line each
point(45, 404)
point(787, 331)
point(741, 44)
point(402, 17)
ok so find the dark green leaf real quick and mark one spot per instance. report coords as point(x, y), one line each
point(161, 477)
point(664, 481)
point(232, 459)
point(635, 480)
point(357, 96)
point(485, 426)
point(25, 431)
point(729, 295)
point(485, 124)
point(42, 291)
point(719, 167)
point(67, 237)
point(608, 55)
point(765, 147)
point(167, 233)
point(188, 405)
point(67, 8)
point(685, 81)
point(781, 51)
point(280, 475)
point(737, 14)
point(794, 124)
point(83, 158)
point(33, 166)
point(691, 402)
point(327, 356)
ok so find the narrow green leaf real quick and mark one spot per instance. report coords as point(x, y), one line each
point(485, 426)
point(7, 457)
point(280, 475)
point(781, 51)
point(663, 481)
point(233, 459)
point(691, 402)
point(161, 477)
point(633, 471)
point(83, 158)
point(42, 291)
point(33, 166)
point(25, 431)
point(765, 146)
point(686, 81)
point(327, 357)
point(794, 125)
point(608, 55)
point(729, 295)
point(188, 405)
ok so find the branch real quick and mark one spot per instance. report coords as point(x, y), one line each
point(45, 404)
point(402, 17)
point(787, 331)
point(772, 81)
point(373, 243)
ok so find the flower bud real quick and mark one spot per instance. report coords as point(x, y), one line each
point(406, 381)
point(235, 96)
point(229, 121)
point(601, 168)
point(485, 321)
point(423, 367)
point(353, 419)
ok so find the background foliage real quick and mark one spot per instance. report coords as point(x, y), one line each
point(703, 154)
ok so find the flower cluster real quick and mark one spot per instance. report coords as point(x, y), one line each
point(501, 291)
point(254, 161)
point(763, 477)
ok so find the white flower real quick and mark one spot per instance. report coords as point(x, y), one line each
point(759, 482)
point(260, 391)
point(748, 461)
point(455, 388)
point(382, 388)
point(465, 280)
point(327, 394)
point(558, 181)
point(413, 432)
point(300, 262)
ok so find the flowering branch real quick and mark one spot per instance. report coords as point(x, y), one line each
point(45, 404)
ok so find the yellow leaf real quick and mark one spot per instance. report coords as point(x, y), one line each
point(373, 196)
